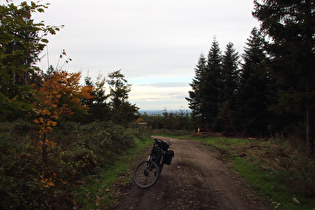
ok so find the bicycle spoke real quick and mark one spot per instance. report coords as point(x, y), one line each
point(146, 174)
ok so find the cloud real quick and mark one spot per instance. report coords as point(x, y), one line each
point(156, 44)
point(166, 84)
point(160, 96)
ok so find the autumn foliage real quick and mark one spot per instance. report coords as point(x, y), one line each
point(59, 94)
point(47, 143)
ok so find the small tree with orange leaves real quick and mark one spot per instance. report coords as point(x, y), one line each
point(60, 94)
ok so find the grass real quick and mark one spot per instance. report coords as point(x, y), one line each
point(225, 143)
point(283, 176)
point(98, 191)
point(268, 183)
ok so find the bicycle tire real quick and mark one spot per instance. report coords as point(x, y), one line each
point(146, 174)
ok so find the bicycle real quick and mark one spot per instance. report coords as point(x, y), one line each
point(147, 172)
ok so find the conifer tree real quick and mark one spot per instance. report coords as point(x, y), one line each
point(204, 97)
point(195, 96)
point(123, 112)
point(98, 107)
point(230, 77)
point(213, 84)
point(290, 26)
point(252, 94)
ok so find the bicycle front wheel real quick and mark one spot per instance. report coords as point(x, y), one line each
point(146, 174)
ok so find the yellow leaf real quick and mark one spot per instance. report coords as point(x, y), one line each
point(44, 112)
point(41, 120)
point(55, 116)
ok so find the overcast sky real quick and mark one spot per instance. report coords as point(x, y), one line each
point(155, 43)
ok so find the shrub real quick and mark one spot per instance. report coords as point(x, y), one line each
point(19, 174)
point(80, 150)
point(21, 127)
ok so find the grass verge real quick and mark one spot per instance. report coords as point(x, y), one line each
point(98, 191)
point(283, 176)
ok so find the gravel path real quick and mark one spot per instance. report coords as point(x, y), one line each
point(196, 179)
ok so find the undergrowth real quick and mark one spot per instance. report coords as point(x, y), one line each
point(80, 151)
point(99, 191)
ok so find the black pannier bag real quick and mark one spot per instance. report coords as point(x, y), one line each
point(163, 145)
point(168, 156)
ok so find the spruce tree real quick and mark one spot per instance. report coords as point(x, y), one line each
point(252, 93)
point(229, 80)
point(204, 97)
point(213, 84)
point(290, 26)
point(195, 97)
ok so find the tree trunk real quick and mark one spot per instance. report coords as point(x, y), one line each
point(308, 142)
point(232, 123)
point(309, 39)
point(308, 131)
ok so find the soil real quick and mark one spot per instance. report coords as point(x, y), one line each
point(196, 179)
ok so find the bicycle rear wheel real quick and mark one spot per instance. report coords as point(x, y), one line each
point(146, 174)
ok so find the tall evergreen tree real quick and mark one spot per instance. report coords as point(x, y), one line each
point(229, 80)
point(123, 112)
point(98, 107)
point(252, 94)
point(195, 96)
point(210, 92)
point(290, 26)
point(204, 97)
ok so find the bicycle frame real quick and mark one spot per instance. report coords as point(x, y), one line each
point(157, 154)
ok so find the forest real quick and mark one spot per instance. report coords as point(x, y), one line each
point(268, 91)
point(54, 130)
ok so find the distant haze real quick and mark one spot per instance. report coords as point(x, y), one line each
point(160, 112)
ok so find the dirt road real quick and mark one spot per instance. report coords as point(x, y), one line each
point(194, 180)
